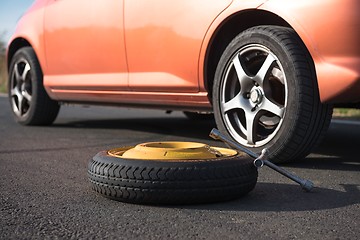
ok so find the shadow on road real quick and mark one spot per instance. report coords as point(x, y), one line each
point(287, 198)
point(337, 151)
point(181, 127)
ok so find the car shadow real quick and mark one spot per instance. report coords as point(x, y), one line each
point(174, 126)
point(342, 139)
point(267, 197)
point(336, 152)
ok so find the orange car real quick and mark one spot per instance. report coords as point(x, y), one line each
point(269, 70)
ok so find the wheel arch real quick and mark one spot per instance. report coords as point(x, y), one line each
point(14, 46)
point(226, 32)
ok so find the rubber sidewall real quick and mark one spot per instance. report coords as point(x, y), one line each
point(171, 182)
point(299, 120)
point(42, 110)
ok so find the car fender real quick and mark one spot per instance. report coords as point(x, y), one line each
point(32, 34)
point(231, 9)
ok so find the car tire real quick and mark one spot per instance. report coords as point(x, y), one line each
point(265, 94)
point(29, 101)
point(171, 181)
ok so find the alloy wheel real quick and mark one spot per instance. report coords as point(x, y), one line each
point(253, 95)
point(21, 87)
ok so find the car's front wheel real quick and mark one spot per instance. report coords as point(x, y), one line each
point(29, 101)
point(265, 94)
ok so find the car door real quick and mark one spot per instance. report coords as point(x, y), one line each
point(163, 41)
point(84, 43)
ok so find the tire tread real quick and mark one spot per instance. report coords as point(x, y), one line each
point(313, 118)
point(171, 183)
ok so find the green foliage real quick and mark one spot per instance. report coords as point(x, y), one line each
point(346, 112)
point(2, 44)
point(3, 71)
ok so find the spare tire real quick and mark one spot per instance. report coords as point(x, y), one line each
point(171, 181)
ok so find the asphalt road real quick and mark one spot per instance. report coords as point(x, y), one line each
point(45, 193)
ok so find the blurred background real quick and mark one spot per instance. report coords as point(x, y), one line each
point(10, 12)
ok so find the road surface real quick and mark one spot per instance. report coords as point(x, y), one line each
point(45, 193)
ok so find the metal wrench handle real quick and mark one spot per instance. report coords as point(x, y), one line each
point(305, 184)
point(217, 135)
point(261, 160)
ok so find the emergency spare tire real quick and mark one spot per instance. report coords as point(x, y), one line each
point(172, 173)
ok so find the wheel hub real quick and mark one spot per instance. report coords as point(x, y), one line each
point(256, 96)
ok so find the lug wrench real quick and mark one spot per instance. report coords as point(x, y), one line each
point(261, 160)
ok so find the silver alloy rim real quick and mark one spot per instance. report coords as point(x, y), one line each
point(21, 88)
point(253, 96)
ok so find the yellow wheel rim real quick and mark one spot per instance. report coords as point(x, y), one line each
point(172, 151)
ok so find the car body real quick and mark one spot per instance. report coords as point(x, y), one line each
point(165, 54)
